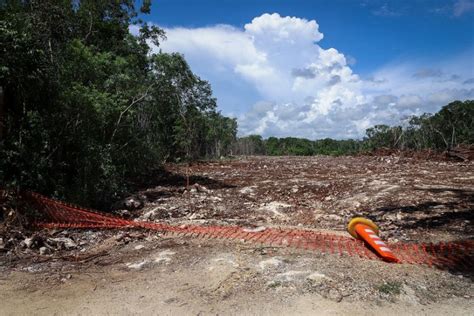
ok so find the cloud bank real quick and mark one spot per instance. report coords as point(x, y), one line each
point(462, 7)
point(301, 89)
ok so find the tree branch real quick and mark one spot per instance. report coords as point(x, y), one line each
point(134, 102)
point(90, 27)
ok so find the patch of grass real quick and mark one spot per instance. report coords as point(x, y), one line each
point(274, 284)
point(390, 288)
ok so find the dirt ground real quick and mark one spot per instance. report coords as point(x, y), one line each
point(140, 272)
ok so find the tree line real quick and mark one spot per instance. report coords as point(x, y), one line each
point(451, 126)
point(85, 106)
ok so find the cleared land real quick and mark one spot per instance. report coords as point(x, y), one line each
point(90, 272)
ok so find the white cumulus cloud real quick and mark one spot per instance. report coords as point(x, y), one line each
point(305, 90)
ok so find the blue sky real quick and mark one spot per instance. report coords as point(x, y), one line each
point(324, 68)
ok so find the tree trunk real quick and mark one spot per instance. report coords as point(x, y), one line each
point(2, 113)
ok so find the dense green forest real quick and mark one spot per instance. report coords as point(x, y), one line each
point(86, 106)
point(451, 126)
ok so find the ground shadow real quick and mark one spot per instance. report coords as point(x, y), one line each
point(460, 209)
point(165, 178)
point(455, 217)
point(443, 219)
point(161, 183)
point(463, 260)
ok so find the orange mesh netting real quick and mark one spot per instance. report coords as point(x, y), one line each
point(445, 255)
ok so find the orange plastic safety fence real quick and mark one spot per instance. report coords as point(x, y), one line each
point(445, 255)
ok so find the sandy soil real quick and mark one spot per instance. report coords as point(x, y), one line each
point(139, 272)
point(175, 276)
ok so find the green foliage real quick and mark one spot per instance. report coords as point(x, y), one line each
point(451, 126)
point(88, 106)
point(256, 145)
point(390, 288)
point(289, 146)
point(274, 284)
point(334, 147)
point(249, 145)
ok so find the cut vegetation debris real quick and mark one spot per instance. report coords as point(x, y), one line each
point(429, 201)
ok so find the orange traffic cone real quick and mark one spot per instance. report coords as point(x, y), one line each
point(366, 230)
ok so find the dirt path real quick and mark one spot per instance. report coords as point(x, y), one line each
point(149, 275)
point(145, 295)
point(188, 278)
